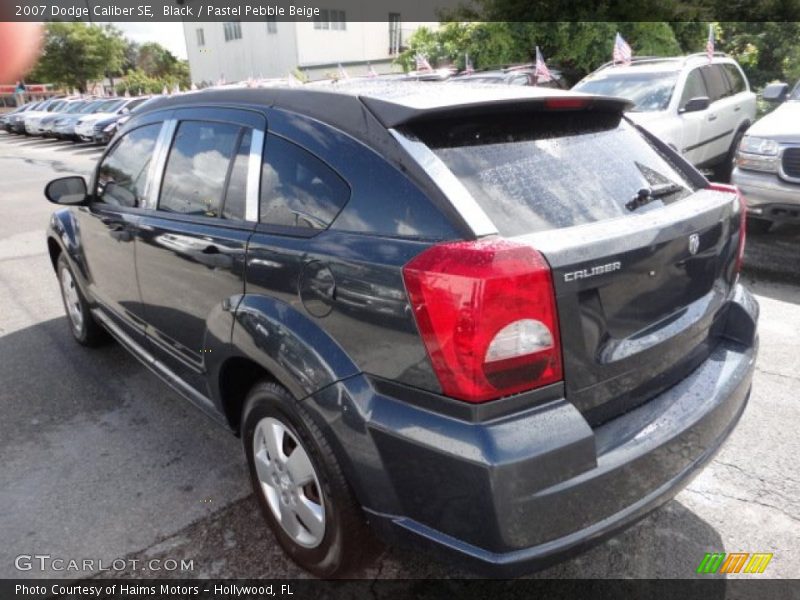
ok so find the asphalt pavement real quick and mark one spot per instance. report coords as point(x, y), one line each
point(102, 461)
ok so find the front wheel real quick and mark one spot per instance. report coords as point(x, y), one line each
point(84, 328)
point(300, 486)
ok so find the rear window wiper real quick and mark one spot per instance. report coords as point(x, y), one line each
point(648, 194)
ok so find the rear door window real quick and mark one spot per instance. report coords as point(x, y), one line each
point(297, 188)
point(716, 82)
point(735, 77)
point(537, 172)
point(197, 168)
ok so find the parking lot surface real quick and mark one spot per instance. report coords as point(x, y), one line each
point(100, 460)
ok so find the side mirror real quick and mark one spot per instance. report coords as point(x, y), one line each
point(776, 92)
point(69, 191)
point(696, 104)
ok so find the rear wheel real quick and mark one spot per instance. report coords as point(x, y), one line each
point(724, 170)
point(300, 486)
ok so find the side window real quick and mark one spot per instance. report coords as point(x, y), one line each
point(197, 167)
point(715, 81)
point(695, 87)
point(297, 188)
point(520, 80)
point(122, 175)
point(735, 77)
point(236, 192)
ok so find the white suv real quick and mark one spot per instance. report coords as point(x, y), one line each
point(700, 108)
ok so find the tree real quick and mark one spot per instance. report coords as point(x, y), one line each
point(75, 53)
point(766, 51)
point(155, 60)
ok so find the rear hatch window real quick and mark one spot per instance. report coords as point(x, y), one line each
point(551, 170)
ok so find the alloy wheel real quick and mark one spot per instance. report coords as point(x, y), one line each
point(289, 482)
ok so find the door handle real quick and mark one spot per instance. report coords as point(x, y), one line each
point(737, 108)
point(712, 117)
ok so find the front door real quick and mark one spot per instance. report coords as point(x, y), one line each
point(109, 224)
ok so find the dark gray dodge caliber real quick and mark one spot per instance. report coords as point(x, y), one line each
point(496, 323)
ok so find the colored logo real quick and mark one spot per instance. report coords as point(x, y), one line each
point(735, 562)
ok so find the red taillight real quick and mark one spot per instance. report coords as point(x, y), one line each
point(732, 189)
point(486, 311)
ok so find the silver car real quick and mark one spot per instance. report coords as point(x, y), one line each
point(768, 162)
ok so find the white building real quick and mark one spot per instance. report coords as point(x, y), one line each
point(237, 50)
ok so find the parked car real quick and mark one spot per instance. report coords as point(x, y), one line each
point(42, 124)
point(77, 106)
point(5, 118)
point(105, 129)
point(518, 75)
point(85, 127)
point(17, 121)
point(499, 323)
point(768, 162)
point(700, 108)
point(64, 126)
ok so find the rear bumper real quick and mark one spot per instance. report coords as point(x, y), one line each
point(768, 196)
point(518, 492)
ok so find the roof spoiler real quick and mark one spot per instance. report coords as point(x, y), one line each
point(393, 114)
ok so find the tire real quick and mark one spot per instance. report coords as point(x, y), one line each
point(724, 170)
point(84, 328)
point(758, 226)
point(331, 546)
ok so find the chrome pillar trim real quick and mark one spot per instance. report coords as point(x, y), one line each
point(472, 213)
point(254, 176)
point(157, 163)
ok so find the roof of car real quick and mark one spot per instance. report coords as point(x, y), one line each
point(663, 64)
point(393, 103)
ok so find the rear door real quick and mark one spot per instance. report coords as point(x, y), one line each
point(742, 99)
point(640, 290)
point(190, 262)
point(721, 116)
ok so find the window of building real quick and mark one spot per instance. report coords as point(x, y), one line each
point(331, 19)
point(338, 20)
point(201, 36)
point(122, 175)
point(395, 35)
point(233, 30)
point(298, 189)
point(272, 25)
point(197, 167)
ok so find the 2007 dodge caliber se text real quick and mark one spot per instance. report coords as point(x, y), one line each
point(498, 323)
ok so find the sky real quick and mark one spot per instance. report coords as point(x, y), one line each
point(169, 35)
